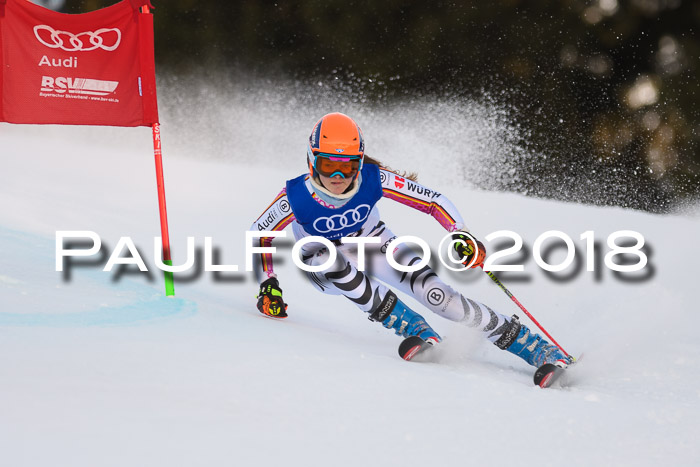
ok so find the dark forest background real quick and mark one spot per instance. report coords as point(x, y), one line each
point(599, 86)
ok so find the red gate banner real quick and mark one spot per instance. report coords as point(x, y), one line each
point(94, 68)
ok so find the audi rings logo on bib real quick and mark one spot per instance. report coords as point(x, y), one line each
point(105, 39)
point(338, 222)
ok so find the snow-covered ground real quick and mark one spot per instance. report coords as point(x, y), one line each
point(100, 369)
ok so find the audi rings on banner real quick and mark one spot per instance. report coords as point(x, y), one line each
point(338, 222)
point(76, 42)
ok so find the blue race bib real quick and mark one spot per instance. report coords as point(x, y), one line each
point(331, 223)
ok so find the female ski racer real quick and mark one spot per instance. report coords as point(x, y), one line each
point(336, 199)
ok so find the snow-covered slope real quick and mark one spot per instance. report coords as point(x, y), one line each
point(99, 368)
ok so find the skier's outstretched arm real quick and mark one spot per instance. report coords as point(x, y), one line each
point(276, 217)
point(417, 196)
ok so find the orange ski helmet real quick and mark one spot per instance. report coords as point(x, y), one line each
point(337, 142)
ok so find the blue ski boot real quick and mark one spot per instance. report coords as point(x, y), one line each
point(531, 347)
point(394, 314)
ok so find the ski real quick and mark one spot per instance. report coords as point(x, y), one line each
point(412, 346)
point(547, 374)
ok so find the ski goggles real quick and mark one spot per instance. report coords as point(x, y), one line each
point(330, 165)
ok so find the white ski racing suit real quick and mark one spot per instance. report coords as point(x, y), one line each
point(367, 289)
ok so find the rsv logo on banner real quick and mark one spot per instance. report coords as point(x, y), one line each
point(90, 69)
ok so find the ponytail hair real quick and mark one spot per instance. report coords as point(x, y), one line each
point(409, 175)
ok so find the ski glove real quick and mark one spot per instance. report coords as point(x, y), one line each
point(270, 302)
point(468, 250)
